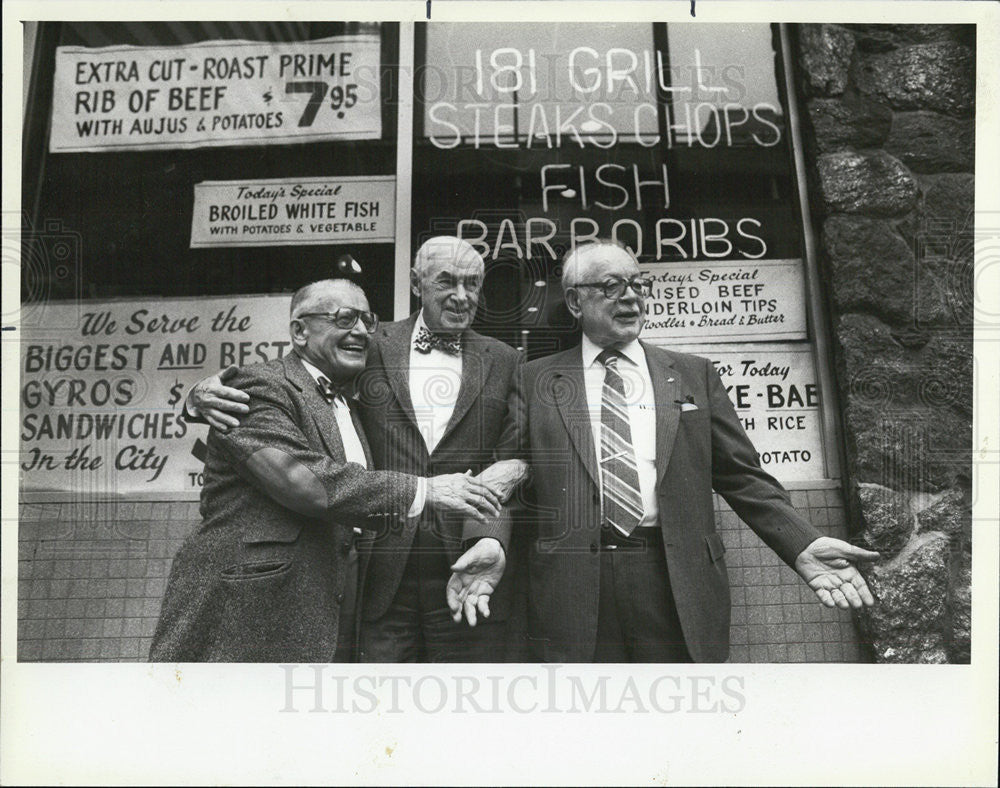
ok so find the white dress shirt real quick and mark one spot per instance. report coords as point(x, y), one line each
point(435, 379)
point(641, 406)
point(353, 449)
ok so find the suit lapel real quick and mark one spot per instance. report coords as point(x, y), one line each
point(476, 364)
point(568, 390)
point(322, 411)
point(395, 349)
point(665, 388)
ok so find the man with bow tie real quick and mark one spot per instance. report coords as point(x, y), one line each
point(434, 399)
point(272, 574)
point(626, 443)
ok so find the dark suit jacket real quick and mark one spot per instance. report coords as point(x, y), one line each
point(696, 449)
point(481, 421)
point(259, 582)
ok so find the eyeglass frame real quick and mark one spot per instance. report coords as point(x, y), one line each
point(620, 285)
point(332, 317)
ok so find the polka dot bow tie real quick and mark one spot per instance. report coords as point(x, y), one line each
point(426, 341)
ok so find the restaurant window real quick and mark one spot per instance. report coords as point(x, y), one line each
point(180, 180)
point(529, 139)
point(116, 155)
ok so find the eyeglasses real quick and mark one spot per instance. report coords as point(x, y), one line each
point(346, 318)
point(615, 288)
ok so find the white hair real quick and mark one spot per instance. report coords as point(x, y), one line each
point(572, 262)
point(446, 246)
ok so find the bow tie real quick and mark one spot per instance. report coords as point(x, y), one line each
point(330, 392)
point(426, 341)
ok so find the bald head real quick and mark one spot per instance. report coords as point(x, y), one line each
point(306, 298)
point(447, 275)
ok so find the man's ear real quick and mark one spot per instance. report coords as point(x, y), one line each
point(572, 297)
point(298, 332)
point(415, 282)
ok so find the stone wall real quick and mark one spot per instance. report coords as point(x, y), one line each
point(888, 120)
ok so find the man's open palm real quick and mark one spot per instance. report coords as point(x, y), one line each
point(827, 567)
point(475, 577)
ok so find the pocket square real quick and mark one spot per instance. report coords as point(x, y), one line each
point(686, 404)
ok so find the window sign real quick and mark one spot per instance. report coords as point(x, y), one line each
point(215, 93)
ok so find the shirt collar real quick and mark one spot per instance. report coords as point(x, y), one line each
point(417, 325)
point(632, 351)
point(346, 392)
point(312, 369)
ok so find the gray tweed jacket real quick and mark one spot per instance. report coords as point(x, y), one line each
point(259, 582)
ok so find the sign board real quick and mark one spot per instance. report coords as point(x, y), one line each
point(103, 388)
point(294, 211)
point(216, 93)
point(726, 301)
point(775, 391)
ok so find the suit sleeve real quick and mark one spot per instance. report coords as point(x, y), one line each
point(513, 441)
point(510, 446)
point(756, 496)
point(270, 450)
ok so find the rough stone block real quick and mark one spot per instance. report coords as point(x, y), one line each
point(907, 409)
point(824, 57)
point(888, 522)
point(948, 512)
point(870, 183)
point(849, 122)
point(961, 614)
point(871, 267)
point(908, 621)
point(929, 141)
point(948, 199)
point(938, 76)
point(941, 231)
point(884, 38)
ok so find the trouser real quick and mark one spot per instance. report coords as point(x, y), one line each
point(347, 648)
point(418, 626)
point(637, 618)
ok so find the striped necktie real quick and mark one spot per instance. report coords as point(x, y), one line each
point(619, 476)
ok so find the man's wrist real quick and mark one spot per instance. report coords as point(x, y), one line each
point(190, 409)
point(419, 499)
point(472, 541)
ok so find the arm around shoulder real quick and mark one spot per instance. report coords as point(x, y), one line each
point(272, 450)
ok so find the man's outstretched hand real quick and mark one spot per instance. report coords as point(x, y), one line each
point(828, 569)
point(216, 402)
point(474, 579)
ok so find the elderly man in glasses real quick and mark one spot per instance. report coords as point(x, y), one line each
point(626, 443)
point(434, 399)
point(273, 572)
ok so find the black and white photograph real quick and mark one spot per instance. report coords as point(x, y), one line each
point(444, 376)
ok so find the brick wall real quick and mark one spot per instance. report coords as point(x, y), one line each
point(91, 577)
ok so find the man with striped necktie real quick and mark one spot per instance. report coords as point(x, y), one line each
point(626, 442)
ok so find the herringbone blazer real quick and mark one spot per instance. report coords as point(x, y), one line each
point(259, 582)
